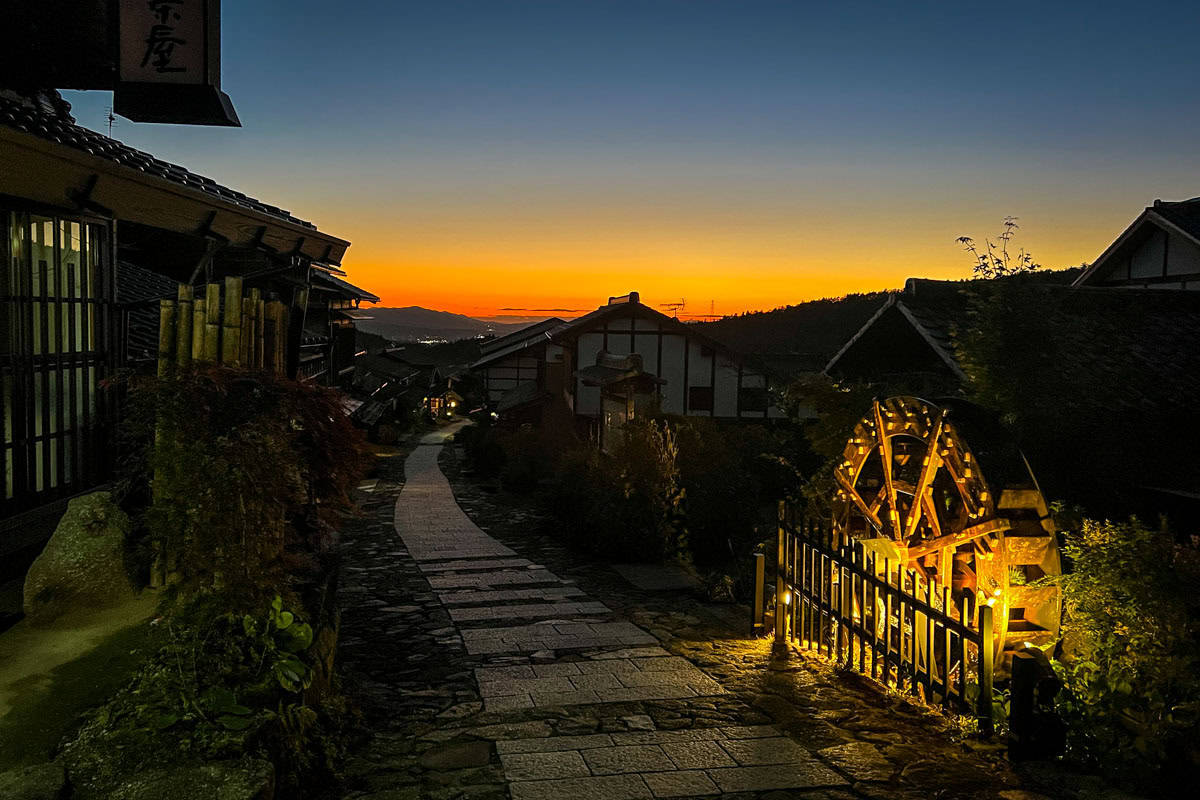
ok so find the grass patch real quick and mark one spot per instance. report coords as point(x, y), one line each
point(31, 731)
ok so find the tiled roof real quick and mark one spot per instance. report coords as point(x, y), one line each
point(1185, 214)
point(137, 291)
point(937, 308)
point(48, 117)
point(517, 341)
point(521, 336)
point(344, 288)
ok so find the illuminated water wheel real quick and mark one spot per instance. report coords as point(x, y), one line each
point(914, 492)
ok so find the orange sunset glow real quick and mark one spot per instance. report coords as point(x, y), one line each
point(564, 269)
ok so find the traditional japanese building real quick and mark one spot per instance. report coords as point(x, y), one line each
point(674, 368)
point(1159, 250)
point(95, 234)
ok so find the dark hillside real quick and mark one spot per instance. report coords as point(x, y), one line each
point(797, 338)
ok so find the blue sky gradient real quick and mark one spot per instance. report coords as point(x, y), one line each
point(757, 153)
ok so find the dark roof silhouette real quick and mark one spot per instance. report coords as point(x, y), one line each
point(935, 309)
point(48, 117)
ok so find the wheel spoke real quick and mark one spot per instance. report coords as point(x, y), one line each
point(885, 453)
point(929, 468)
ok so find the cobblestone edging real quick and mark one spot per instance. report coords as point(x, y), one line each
point(492, 663)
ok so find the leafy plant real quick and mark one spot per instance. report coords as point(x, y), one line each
point(241, 470)
point(219, 685)
point(996, 261)
point(1131, 652)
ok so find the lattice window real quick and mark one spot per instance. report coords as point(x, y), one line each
point(55, 289)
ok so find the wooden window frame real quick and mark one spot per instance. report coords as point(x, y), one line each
point(56, 421)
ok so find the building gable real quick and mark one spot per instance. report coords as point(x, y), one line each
point(1160, 249)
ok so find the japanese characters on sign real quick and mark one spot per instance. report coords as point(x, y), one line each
point(164, 41)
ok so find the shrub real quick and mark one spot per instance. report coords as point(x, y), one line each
point(220, 684)
point(244, 469)
point(1131, 663)
point(732, 476)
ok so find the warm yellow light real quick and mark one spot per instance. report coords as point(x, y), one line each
point(991, 601)
point(996, 593)
point(787, 598)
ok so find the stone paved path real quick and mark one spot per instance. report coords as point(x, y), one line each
point(496, 669)
point(614, 661)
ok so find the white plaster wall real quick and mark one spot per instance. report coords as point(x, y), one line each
point(725, 392)
point(673, 391)
point(587, 398)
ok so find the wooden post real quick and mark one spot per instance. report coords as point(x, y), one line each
point(166, 337)
point(183, 335)
point(760, 581)
point(231, 335)
point(987, 655)
point(199, 314)
point(212, 324)
point(780, 607)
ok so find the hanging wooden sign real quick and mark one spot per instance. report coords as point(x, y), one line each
point(169, 66)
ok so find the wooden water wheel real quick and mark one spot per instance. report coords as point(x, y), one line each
point(912, 490)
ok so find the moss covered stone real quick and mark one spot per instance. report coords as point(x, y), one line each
point(82, 566)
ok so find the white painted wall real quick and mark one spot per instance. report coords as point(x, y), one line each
point(587, 398)
point(673, 392)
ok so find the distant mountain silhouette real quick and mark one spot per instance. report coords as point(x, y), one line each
point(412, 323)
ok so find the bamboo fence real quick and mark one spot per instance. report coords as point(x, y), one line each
point(230, 327)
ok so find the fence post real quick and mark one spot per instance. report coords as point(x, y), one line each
point(212, 324)
point(780, 562)
point(183, 326)
point(166, 337)
point(987, 655)
point(760, 580)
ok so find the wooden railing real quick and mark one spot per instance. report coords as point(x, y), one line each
point(223, 328)
point(871, 614)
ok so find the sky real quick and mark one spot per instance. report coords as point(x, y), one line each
point(510, 159)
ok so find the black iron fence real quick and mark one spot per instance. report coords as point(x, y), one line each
point(850, 602)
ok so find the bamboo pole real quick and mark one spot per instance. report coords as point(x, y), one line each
point(260, 333)
point(166, 337)
point(183, 335)
point(251, 332)
point(245, 341)
point(277, 314)
point(212, 324)
point(199, 314)
point(231, 335)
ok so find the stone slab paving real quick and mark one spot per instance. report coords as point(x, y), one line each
point(489, 580)
point(528, 611)
point(467, 565)
point(611, 661)
point(685, 763)
point(592, 681)
point(447, 724)
point(429, 521)
point(553, 635)
point(552, 594)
